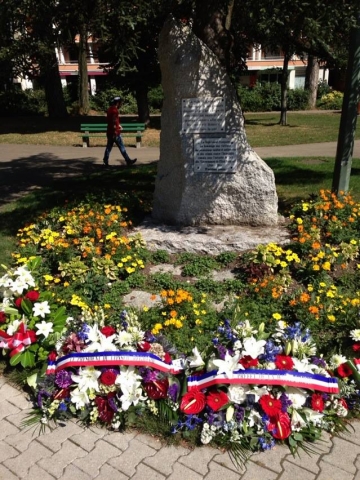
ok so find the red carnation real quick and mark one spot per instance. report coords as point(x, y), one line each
point(247, 361)
point(167, 358)
point(317, 402)
point(270, 405)
point(193, 402)
point(216, 400)
point(284, 362)
point(32, 295)
point(157, 389)
point(52, 356)
point(344, 370)
point(2, 317)
point(108, 377)
point(106, 413)
point(143, 346)
point(356, 347)
point(108, 331)
point(280, 426)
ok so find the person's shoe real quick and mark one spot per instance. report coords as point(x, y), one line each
point(105, 163)
point(131, 162)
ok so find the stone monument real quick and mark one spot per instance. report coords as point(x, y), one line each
point(207, 173)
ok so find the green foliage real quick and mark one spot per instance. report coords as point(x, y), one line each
point(155, 98)
point(264, 97)
point(160, 256)
point(22, 102)
point(331, 101)
point(100, 101)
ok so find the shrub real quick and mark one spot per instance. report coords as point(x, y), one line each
point(155, 98)
point(298, 99)
point(331, 101)
point(23, 102)
point(101, 100)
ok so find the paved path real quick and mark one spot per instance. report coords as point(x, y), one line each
point(72, 452)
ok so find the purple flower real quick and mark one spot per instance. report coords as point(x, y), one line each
point(285, 402)
point(63, 379)
point(173, 391)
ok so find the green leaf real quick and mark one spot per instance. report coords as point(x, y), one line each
point(298, 437)
point(31, 380)
point(27, 359)
point(11, 310)
point(27, 306)
point(60, 315)
point(15, 359)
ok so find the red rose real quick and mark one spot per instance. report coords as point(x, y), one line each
point(270, 405)
point(106, 413)
point(18, 302)
point(32, 335)
point(216, 400)
point(143, 346)
point(167, 358)
point(247, 361)
point(193, 402)
point(284, 362)
point(317, 402)
point(52, 356)
point(344, 370)
point(356, 347)
point(108, 377)
point(2, 317)
point(157, 389)
point(33, 295)
point(280, 426)
point(108, 331)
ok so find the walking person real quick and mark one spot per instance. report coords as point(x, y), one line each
point(113, 133)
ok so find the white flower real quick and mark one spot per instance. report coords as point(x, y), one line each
point(24, 276)
point(40, 309)
point(297, 397)
point(237, 345)
point(79, 397)
point(237, 393)
point(18, 286)
point(127, 377)
point(131, 394)
point(124, 338)
point(337, 360)
point(103, 344)
point(303, 365)
point(355, 334)
point(87, 379)
point(297, 421)
point(253, 347)
point(258, 392)
point(254, 418)
point(313, 416)
point(228, 365)
point(44, 328)
point(195, 360)
point(13, 327)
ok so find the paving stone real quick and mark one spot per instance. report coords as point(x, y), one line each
point(165, 458)
point(120, 440)
point(65, 456)
point(21, 464)
point(6, 474)
point(7, 392)
point(216, 471)
point(6, 451)
point(225, 460)
point(73, 473)
point(22, 439)
point(133, 456)
point(331, 472)
point(272, 459)
point(88, 437)
point(54, 439)
point(311, 461)
point(95, 459)
point(145, 472)
point(199, 459)
point(35, 473)
point(7, 408)
point(7, 429)
point(107, 472)
point(290, 472)
point(18, 417)
point(180, 472)
point(343, 455)
point(256, 472)
point(149, 440)
point(354, 433)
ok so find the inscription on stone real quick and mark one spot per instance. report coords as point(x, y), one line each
point(203, 115)
point(215, 155)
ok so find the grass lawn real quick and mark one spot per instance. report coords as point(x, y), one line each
point(262, 129)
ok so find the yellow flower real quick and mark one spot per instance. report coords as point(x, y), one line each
point(316, 267)
point(326, 266)
point(66, 284)
point(331, 318)
point(198, 321)
point(299, 221)
point(276, 316)
point(146, 309)
point(107, 305)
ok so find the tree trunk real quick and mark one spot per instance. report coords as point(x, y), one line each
point(284, 89)
point(312, 80)
point(142, 103)
point(53, 88)
point(84, 106)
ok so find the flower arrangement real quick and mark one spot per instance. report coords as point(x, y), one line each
point(243, 378)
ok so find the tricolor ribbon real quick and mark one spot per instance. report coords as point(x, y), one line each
point(287, 378)
point(102, 359)
point(17, 342)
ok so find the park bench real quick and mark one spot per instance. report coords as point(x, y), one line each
point(91, 130)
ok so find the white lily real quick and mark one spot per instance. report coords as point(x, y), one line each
point(13, 327)
point(40, 309)
point(102, 344)
point(228, 365)
point(303, 365)
point(253, 347)
point(131, 395)
point(297, 421)
point(195, 360)
point(124, 338)
point(87, 379)
point(79, 397)
point(313, 416)
point(44, 328)
point(127, 377)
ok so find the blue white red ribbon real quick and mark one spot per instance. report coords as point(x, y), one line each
point(103, 359)
point(284, 378)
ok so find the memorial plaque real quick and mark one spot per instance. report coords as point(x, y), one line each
point(215, 155)
point(203, 115)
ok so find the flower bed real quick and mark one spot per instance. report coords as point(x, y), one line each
point(278, 364)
